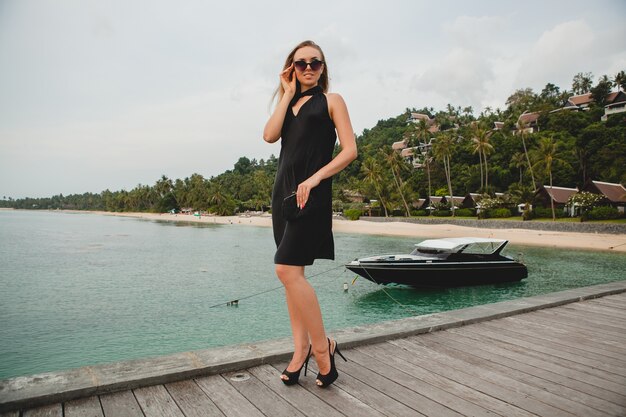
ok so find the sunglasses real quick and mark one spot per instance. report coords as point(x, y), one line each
point(315, 65)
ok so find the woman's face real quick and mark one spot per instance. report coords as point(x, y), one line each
point(308, 77)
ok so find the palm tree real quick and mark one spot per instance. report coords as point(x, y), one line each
point(372, 175)
point(521, 127)
point(396, 163)
point(517, 161)
point(442, 149)
point(547, 156)
point(423, 137)
point(582, 83)
point(620, 80)
point(481, 143)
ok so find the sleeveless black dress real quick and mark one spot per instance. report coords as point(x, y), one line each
point(307, 144)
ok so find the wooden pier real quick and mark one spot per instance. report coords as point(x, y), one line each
point(568, 360)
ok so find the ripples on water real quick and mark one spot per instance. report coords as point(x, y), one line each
point(84, 289)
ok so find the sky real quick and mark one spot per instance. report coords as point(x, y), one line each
point(98, 95)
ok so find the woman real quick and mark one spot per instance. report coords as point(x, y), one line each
point(308, 119)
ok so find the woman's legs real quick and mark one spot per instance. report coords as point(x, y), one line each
point(305, 316)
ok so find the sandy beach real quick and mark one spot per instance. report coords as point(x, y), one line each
point(590, 241)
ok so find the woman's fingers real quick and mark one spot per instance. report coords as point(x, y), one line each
point(302, 196)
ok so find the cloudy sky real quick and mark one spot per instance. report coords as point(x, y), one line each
point(99, 95)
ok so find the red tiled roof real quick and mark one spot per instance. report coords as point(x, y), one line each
point(581, 99)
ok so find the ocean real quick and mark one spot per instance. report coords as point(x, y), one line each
point(83, 289)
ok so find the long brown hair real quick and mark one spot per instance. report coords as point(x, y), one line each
point(323, 81)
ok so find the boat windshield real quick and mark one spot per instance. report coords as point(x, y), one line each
point(481, 248)
point(477, 246)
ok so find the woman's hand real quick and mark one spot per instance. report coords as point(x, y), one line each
point(304, 190)
point(288, 81)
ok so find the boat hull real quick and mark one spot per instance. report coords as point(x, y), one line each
point(440, 274)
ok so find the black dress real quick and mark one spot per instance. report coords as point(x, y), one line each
point(307, 144)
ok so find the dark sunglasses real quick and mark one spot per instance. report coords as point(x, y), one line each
point(315, 65)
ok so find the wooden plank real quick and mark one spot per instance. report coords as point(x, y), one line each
point(397, 358)
point(263, 398)
point(52, 410)
point(572, 369)
point(83, 407)
point(409, 353)
point(606, 301)
point(580, 402)
point(578, 326)
point(506, 376)
point(615, 307)
point(503, 387)
point(380, 365)
point(596, 313)
point(520, 330)
point(368, 395)
point(227, 398)
point(585, 339)
point(614, 316)
point(336, 398)
point(192, 401)
point(156, 401)
point(543, 347)
point(120, 404)
point(494, 351)
point(300, 398)
point(613, 332)
point(391, 388)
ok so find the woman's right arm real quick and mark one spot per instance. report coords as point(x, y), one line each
point(274, 125)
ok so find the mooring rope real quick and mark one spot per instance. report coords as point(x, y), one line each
point(236, 301)
point(383, 289)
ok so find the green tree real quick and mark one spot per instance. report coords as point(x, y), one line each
point(582, 83)
point(442, 150)
point(373, 176)
point(547, 156)
point(601, 90)
point(518, 161)
point(396, 164)
point(620, 80)
point(521, 128)
point(481, 145)
point(423, 148)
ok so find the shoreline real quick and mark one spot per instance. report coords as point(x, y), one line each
point(545, 238)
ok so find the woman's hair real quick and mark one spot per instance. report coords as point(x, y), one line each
point(323, 81)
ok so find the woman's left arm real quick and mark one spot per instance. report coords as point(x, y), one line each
point(339, 114)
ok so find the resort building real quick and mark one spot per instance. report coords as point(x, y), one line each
point(615, 103)
point(559, 195)
point(527, 122)
point(432, 125)
point(614, 193)
point(457, 200)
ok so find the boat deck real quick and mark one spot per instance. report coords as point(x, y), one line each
point(568, 360)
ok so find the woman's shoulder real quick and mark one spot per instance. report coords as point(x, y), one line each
point(334, 97)
point(335, 103)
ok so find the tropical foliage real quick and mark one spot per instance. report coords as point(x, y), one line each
point(466, 154)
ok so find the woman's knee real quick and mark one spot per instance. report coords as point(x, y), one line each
point(289, 274)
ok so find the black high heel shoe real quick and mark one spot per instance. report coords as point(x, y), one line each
point(332, 375)
point(295, 376)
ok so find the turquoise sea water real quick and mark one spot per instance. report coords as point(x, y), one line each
point(82, 289)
